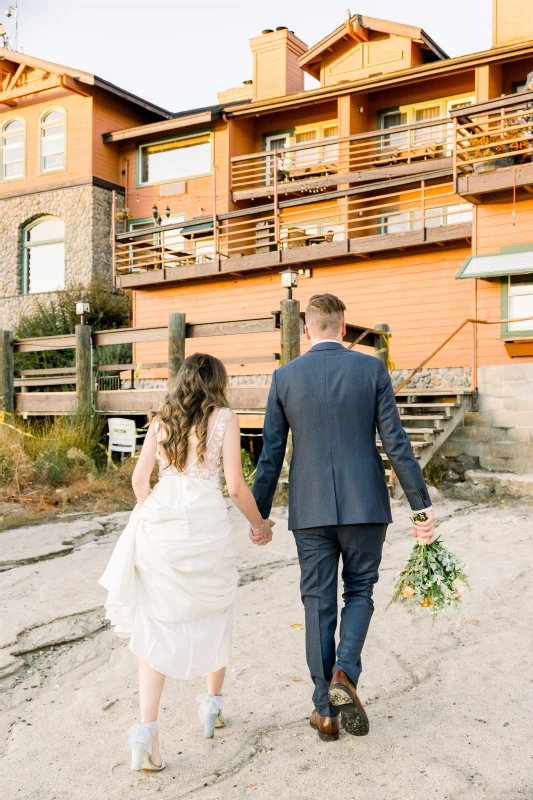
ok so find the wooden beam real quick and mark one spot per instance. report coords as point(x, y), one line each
point(38, 344)
point(158, 127)
point(74, 86)
point(45, 402)
point(154, 333)
point(231, 327)
point(15, 76)
point(31, 88)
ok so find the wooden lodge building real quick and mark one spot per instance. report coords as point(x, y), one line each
point(403, 183)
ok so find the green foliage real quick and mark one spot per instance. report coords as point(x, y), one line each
point(55, 314)
point(248, 466)
point(429, 579)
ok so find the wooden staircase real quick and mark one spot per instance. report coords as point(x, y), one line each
point(428, 417)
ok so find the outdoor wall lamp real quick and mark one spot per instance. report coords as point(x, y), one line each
point(289, 280)
point(82, 309)
point(156, 216)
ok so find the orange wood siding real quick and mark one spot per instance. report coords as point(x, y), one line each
point(79, 146)
point(497, 227)
point(417, 294)
point(198, 199)
point(112, 114)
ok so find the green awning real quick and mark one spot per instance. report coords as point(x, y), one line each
point(496, 265)
point(200, 229)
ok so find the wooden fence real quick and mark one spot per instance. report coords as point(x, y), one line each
point(25, 392)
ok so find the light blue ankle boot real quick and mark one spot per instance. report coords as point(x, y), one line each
point(141, 738)
point(210, 713)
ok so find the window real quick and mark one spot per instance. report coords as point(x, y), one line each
point(448, 215)
point(330, 153)
point(431, 133)
point(53, 151)
point(309, 155)
point(13, 146)
point(520, 301)
point(177, 159)
point(393, 119)
point(44, 256)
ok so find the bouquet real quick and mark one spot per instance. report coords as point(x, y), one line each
point(429, 578)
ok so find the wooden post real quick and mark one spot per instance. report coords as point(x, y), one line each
point(176, 344)
point(7, 375)
point(84, 370)
point(289, 330)
point(381, 343)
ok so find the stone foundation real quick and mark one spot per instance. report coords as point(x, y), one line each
point(499, 435)
point(434, 377)
point(85, 210)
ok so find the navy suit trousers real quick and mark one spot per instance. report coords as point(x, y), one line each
point(319, 551)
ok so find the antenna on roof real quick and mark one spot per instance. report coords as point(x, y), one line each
point(12, 11)
point(348, 15)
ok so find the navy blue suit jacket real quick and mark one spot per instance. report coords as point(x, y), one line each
point(333, 400)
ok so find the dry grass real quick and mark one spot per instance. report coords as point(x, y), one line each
point(62, 471)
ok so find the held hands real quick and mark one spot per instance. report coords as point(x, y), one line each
point(424, 529)
point(263, 534)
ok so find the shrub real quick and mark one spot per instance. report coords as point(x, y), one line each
point(56, 314)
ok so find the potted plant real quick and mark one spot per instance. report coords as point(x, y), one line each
point(517, 147)
point(124, 215)
point(484, 147)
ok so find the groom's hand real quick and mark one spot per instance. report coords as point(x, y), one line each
point(424, 531)
point(263, 536)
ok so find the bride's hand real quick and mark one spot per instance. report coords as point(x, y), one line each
point(263, 534)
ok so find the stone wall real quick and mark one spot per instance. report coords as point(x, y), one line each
point(500, 433)
point(434, 377)
point(86, 212)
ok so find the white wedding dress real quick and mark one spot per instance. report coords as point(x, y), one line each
point(172, 578)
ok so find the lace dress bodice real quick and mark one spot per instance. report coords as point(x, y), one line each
point(211, 467)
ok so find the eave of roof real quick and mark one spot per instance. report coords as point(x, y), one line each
point(84, 77)
point(420, 72)
point(370, 23)
point(183, 120)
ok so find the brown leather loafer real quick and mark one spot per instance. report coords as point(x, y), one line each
point(353, 716)
point(326, 727)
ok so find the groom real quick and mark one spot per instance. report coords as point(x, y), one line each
point(333, 400)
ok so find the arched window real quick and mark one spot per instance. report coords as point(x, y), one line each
point(12, 149)
point(52, 150)
point(44, 256)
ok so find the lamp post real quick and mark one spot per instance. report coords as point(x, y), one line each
point(289, 319)
point(289, 280)
point(156, 215)
point(82, 309)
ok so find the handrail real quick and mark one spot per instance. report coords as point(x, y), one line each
point(340, 139)
point(450, 337)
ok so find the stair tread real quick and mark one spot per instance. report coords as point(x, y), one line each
point(422, 430)
point(423, 417)
point(413, 444)
point(436, 404)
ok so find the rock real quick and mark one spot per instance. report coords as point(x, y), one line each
point(502, 484)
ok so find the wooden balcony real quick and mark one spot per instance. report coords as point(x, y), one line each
point(392, 215)
point(494, 146)
point(317, 166)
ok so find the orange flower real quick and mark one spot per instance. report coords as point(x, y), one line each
point(408, 592)
point(426, 602)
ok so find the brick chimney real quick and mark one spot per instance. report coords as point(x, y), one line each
point(512, 22)
point(276, 69)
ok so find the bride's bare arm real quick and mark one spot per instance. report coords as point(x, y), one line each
point(237, 488)
point(140, 479)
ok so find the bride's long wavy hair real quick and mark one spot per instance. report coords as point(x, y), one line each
point(198, 389)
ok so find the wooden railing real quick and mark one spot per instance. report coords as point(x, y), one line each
point(288, 169)
point(493, 135)
point(300, 222)
point(39, 393)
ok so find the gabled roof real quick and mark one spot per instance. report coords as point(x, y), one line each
point(84, 78)
point(356, 28)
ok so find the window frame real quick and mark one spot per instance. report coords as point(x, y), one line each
point(24, 287)
point(2, 129)
point(40, 170)
point(506, 334)
point(140, 184)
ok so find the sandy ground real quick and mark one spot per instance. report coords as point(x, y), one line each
point(449, 706)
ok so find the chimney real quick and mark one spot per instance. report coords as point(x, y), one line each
point(512, 22)
point(276, 69)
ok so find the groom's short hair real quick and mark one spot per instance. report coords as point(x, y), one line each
point(324, 312)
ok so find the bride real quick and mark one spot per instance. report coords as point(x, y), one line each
point(171, 578)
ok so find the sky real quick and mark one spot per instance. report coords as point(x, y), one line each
point(178, 54)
